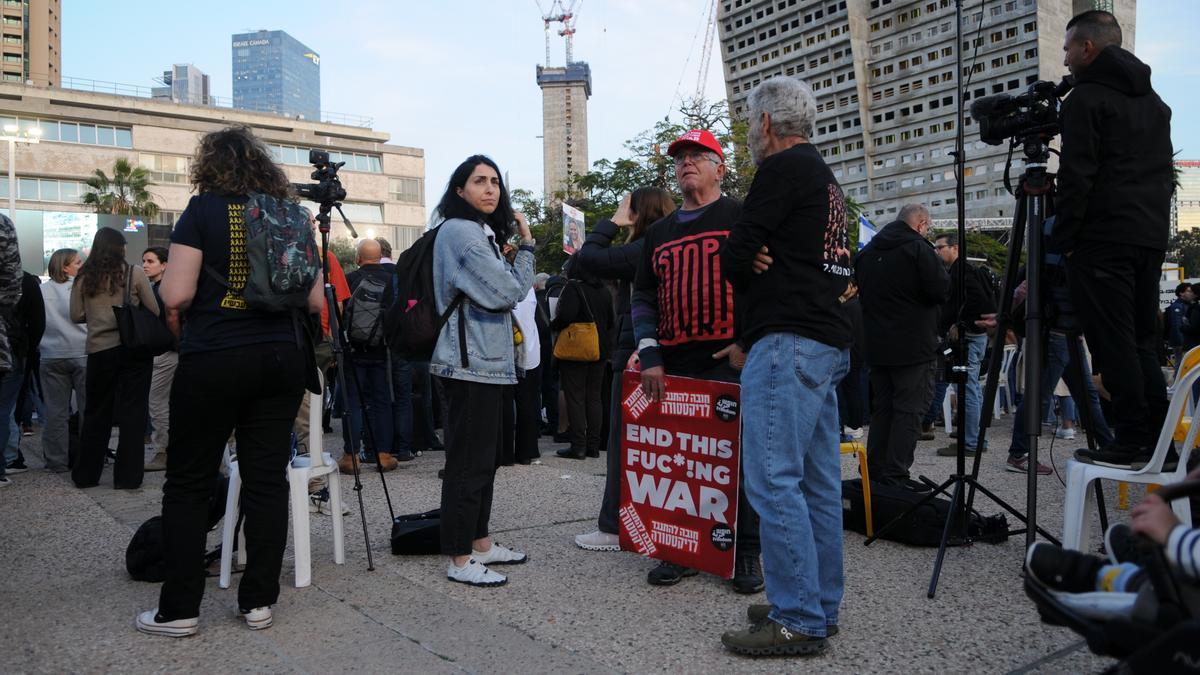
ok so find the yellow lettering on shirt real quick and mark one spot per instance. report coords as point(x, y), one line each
point(239, 264)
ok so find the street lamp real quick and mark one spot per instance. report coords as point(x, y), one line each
point(14, 135)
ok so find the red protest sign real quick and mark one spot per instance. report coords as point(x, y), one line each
point(679, 472)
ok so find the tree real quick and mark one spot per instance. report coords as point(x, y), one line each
point(1185, 250)
point(343, 249)
point(124, 193)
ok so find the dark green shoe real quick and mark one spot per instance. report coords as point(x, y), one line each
point(757, 613)
point(768, 638)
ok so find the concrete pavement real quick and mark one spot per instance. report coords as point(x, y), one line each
point(69, 604)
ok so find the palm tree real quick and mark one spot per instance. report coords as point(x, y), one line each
point(124, 193)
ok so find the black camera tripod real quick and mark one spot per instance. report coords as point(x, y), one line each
point(345, 372)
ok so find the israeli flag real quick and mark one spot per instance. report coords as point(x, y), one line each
point(866, 231)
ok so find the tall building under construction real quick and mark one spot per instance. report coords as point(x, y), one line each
point(565, 92)
point(883, 72)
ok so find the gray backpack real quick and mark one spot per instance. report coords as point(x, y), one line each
point(365, 310)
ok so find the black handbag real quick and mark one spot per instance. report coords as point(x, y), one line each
point(417, 533)
point(140, 329)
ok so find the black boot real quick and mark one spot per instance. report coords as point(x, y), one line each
point(747, 574)
point(571, 453)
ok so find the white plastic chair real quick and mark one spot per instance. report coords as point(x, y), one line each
point(1080, 499)
point(1010, 353)
point(302, 469)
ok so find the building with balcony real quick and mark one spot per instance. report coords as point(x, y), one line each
point(31, 41)
point(883, 72)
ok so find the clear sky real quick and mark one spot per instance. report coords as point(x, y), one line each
point(456, 78)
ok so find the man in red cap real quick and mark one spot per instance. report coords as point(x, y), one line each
point(683, 312)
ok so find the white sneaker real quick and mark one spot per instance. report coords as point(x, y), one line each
point(318, 502)
point(257, 618)
point(498, 555)
point(598, 541)
point(147, 622)
point(474, 574)
point(5, 481)
point(856, 434)
point(1065, 434)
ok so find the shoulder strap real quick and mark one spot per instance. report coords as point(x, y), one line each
point(129, 286)
point(583, 296)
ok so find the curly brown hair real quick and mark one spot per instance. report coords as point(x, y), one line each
point(233, 162)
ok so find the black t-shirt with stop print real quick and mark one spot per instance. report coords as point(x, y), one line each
point(796, 209)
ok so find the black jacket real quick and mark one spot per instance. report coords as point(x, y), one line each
point(601, 259)
point(981, 299)
point(572, 308)
point(1115, 173)
point(796, 209)
point(902, 283)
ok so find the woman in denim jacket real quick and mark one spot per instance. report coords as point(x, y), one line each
point(475, 357)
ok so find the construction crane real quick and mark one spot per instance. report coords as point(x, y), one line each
point(564, 15)
point(706, 52)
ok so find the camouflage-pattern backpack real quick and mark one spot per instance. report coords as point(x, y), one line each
point(281, 253)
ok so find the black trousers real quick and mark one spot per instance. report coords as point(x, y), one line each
point(473, 431)
point(522, 419)
point(254, 391)
point(581, 384)
point(901, 397)
point(607, 521)
point(1115, 291)
point(117, 386)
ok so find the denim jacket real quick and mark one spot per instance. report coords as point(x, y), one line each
point(466, 259)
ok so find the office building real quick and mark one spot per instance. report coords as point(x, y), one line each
point(883, 72)
point(274, 72)
point(565, 92)
point(1185, 209)
point(32, 42)
point(183, 83)
point(82, 131)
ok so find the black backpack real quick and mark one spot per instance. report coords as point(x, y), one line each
point(366, 308)
point(922, 527)
point(412, 323)
point(145, 557)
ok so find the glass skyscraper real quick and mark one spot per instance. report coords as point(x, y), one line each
point(275, 72)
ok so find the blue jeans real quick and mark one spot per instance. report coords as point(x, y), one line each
point(1058, 365)
point(976, 346)
point(373, 381)
point(935, 404)
point(792, 469)
point(10, 389)
point(402, 405)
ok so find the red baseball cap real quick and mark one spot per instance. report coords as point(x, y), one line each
point(699, 137)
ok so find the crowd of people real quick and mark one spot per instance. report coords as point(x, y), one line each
point(764, 292)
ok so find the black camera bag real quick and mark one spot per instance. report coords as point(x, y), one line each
point(923, 527)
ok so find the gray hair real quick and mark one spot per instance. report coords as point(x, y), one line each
point(789, 102)
point(539, 280)
point(909, 211)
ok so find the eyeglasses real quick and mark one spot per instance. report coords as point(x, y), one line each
point(695, 156)
point(938, 247)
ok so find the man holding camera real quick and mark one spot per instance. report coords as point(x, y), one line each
point(1113, 209)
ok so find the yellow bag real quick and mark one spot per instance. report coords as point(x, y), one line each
point(580, 340)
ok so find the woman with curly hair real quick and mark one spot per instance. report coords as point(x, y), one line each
point(240, 371)
point(118, 379)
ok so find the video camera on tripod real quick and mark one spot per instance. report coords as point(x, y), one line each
point(1034, 113)
point(327, 191)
